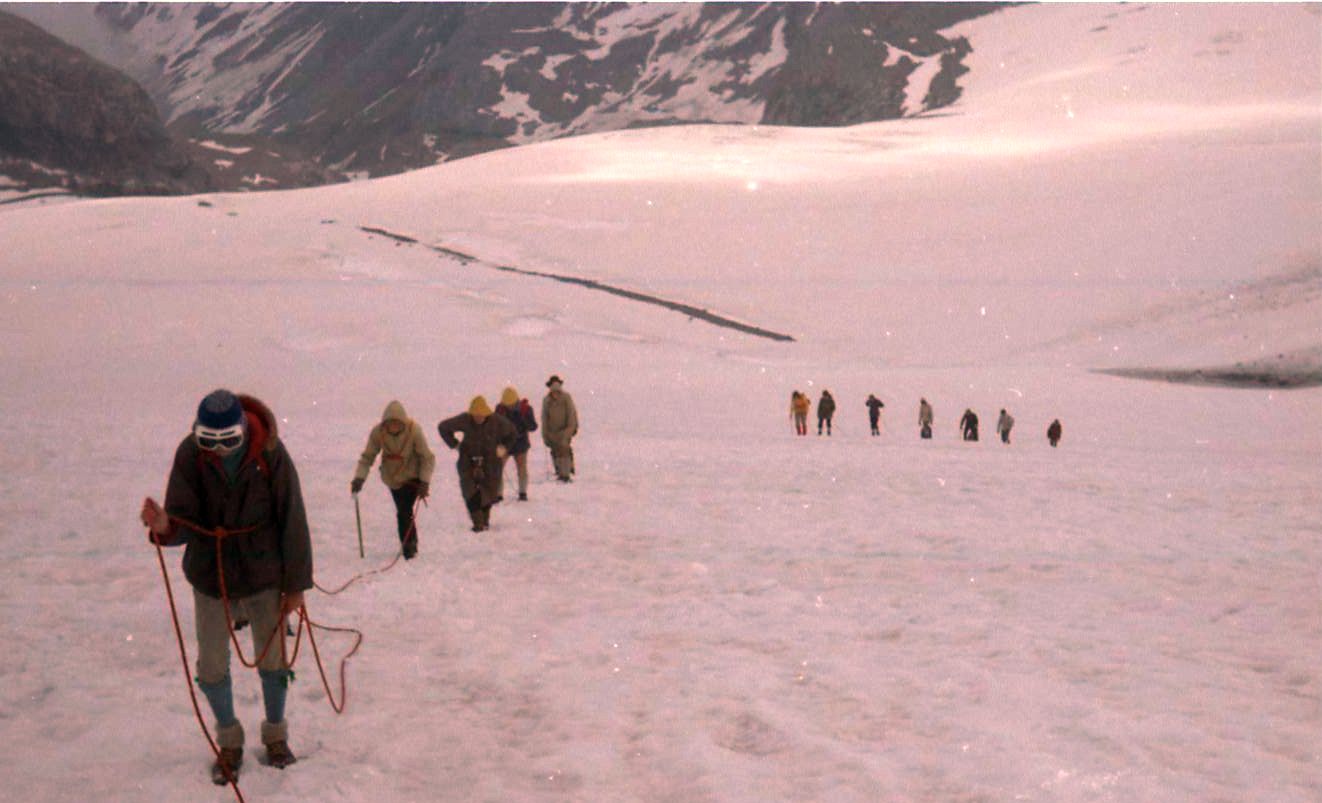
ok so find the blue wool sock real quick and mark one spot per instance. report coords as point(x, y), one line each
point(275, 685)
point(221, 697)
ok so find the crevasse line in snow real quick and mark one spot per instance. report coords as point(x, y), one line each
point(678, 306)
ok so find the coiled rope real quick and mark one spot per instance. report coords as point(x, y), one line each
point(219, 534)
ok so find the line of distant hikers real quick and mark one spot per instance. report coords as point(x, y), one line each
point(801, 406)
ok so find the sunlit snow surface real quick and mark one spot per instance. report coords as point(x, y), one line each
point(717, 610)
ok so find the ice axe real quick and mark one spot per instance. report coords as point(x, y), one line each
point(358, 515)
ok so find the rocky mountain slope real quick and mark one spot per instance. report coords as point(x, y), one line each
point(66, 119)
point(379, 88)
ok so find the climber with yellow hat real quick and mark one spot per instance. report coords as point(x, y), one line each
point(484, 440)
point(520, 414)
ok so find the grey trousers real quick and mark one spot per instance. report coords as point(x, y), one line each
point(562, 457)
point(262, 610)
point(520, 461)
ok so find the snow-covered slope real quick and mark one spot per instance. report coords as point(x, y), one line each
point(717, 610)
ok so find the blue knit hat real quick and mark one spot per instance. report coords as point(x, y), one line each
point(219, 410)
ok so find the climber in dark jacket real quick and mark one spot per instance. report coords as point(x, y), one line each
point(969, 425)
point(487, 440)
point(519, 412)
point(874, 406)
point(825, 410)
point(233, 473)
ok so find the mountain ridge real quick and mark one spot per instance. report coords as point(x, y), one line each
point(367, 89)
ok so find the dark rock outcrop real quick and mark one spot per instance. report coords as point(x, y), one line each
point(852, 63)
point(379, 88)
point(290, 94)
point(68, 120)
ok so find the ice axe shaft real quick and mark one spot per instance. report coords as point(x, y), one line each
point(358, 516)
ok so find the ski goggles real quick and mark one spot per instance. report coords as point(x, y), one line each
point(222, 441)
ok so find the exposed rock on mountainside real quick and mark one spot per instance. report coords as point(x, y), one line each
point(290, 94)
point(856, 63)
point(68, 120)
point(378, 88)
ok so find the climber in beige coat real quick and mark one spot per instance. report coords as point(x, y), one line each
point(406, 468)
point(559, 426)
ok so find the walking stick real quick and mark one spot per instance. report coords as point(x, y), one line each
point(358, 514)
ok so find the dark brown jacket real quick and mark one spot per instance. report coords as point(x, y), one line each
point(479, 467)
point(265, 494)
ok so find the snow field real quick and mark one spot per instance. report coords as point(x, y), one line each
point(717, 610)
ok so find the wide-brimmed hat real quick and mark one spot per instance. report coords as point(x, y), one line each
point(554, 380)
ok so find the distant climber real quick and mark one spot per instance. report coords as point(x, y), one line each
point(800, 405)
point(924, 419)
point(825, 410)
point(1004, 424)
point(968, 425)
point(874, 406)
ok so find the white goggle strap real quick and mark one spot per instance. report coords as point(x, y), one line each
point(200, 431)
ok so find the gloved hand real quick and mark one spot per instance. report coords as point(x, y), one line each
point(156, 521)
point(356, 485)
point(501, 451)
point(423, 489)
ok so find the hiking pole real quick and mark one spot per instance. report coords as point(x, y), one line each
point(358, 515)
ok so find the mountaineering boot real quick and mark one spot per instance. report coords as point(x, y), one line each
point(229, 738)
point(279, 755)
point(523, 496)
point(275, 735)
point(227, 766)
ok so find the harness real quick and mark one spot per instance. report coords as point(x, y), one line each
point(386, 454)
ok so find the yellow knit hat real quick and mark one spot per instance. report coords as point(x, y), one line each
point(510, 397)
point(479, 407)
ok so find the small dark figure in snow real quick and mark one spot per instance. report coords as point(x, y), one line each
point(233, 472)
point(1004, 424)
point(1053, 433)
point(924, 419)
point(825, 410)
point(406, 468)
point(487, 439)
point(969, 425)
point(874, 406)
